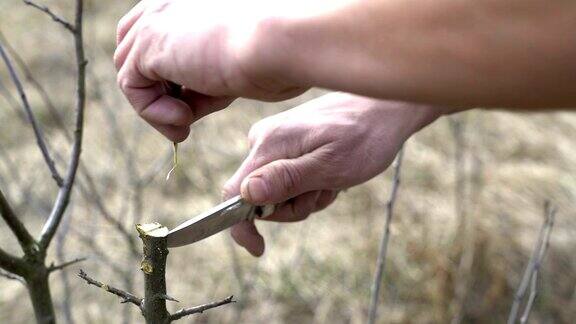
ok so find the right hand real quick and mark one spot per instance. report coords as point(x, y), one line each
point(302, 157)
point(214, 50)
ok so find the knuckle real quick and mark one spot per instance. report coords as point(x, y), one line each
point(333, 170)
point(261, 134)
point(289, 177)
point(122, 81)
point(120, 28)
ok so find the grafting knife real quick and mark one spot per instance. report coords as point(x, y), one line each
point(216, 220)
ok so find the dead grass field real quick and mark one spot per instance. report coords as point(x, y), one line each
point(317, 271)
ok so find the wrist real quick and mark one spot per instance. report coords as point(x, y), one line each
point(284, 43)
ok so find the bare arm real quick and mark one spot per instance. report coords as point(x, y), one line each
point(516, 53)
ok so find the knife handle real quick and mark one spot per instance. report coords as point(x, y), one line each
point(261, 211)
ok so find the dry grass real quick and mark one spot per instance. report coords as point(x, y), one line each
point(318, 271)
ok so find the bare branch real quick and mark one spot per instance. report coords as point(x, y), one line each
point(35, 126)
point(53, 267)
point(52, 15)
point(29, 76)
point(11, 276)
point(530, 276)
point(65, 191)
point(11, 263)
point(381, 262)
point(24, 238)
point(125, 297)
point(201, 308)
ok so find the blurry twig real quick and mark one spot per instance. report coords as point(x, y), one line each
point(465, 233)
point(29, 76)
point(65, 264)
point(381, 262)
point(52, 15)
point(35, 126)
point(201, 308)
point(125, 297)
point(90, 193)
point(530, 277)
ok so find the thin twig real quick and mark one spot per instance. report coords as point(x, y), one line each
point(201, 308)
point(65, 191)
point(52, 15)
point(531, 298)
point(533, 268)
point(53, 267)
point(29, 76)
point(125, 297)
point(24, 238)
point(35, 126)
point(381, 262)
point(90, 193)
point(11, 276)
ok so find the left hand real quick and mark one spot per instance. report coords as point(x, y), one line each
point(214, 50)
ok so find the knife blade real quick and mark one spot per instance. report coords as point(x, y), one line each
point(216, 220)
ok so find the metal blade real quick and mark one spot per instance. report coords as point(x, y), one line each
point(210, 222)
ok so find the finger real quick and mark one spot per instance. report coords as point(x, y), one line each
point(296, 209)
point(283, 179)
point(174, 133)
point(166, 110)
point(123, 49)
point(128, 20)
point(325, 199)
point(203, 105)
point(257, 158)
point(149, 99)
point(246, 235)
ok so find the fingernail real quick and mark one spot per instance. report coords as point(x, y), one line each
point(257, 190)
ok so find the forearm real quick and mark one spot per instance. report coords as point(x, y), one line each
point(517, 54)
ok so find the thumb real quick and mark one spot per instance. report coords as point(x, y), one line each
point(281, 180)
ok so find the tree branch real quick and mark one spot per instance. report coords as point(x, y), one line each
point(125, 297)
point(35, 126)
point(11, 276)
point(11, 263)
point(65, 191)
point(52, 15)
point(201, 308)
point(530, 277)
point(53, 267)
point(29, 76)
point(381, 262)
point(24, 238)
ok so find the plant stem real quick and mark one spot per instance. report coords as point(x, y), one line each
point(153, 266)
point(39, 290)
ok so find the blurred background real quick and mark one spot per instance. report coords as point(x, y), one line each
point(469, 208)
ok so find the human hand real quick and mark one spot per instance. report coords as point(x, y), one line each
point(212, 49)
point(302, 157)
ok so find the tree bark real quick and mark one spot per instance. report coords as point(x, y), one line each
point(153, 266)
point(39, 291)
